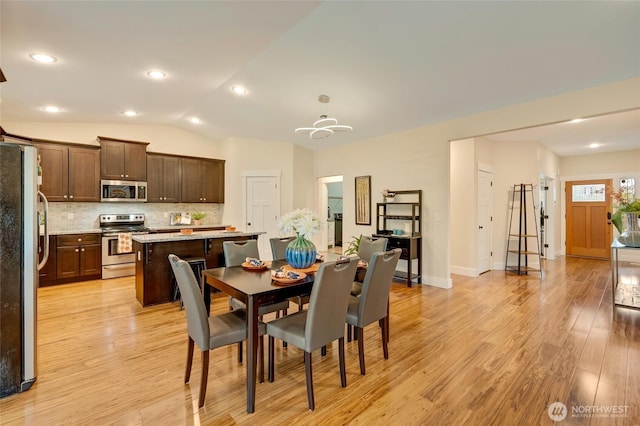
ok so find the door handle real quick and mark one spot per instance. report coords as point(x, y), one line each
point(249, 224)
point(480, 227)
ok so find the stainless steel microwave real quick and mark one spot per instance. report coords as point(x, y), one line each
point(123, 191)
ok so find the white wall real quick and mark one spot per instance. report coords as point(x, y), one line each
point(412, 159)
point(463, 207)
point(419, 159)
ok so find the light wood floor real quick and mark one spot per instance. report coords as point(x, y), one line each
point(497, 349)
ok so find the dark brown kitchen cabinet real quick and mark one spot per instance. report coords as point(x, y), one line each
point(70, 172)
point(78, 255)
point(202, 180)
point(123, 160)
point(48, 273)
point(163, 178)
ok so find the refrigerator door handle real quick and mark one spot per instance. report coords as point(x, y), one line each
point(45, 257)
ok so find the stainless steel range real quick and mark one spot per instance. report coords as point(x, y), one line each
point(117, 262)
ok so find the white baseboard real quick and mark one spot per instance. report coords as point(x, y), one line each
point(467, 272)
point(438, 282)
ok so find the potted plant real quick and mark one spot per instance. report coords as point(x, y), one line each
point(353, 246)
point(197, 217)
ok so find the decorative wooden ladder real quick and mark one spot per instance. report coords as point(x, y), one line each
point(518, 240)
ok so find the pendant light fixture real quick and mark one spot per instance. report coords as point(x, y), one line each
point(324, 127)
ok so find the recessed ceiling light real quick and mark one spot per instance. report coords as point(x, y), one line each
point(130, 113)
point(239, 90)
point(51, 109)
point(195, 120)
point(40, 57)
point(594, 145)
point(157, 75)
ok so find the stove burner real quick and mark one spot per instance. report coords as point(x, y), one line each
point(113, 224)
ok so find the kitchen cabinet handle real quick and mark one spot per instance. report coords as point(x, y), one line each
point(64, 196)
point(121, 175)
point(127, 175)
point(70, 196)
point(77, 250)
point(204, 199)
point(79, 239)
point(82, 250)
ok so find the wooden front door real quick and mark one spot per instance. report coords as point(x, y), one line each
point(588, 227)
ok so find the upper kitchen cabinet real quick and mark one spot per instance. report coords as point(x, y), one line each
point(163, 178)
point(202, 180)
point(123, 160)
point(69, 172)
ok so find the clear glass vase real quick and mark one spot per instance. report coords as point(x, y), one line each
point(630, 235)
point(300, 253)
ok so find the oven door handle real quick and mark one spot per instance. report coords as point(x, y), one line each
point(121, 266)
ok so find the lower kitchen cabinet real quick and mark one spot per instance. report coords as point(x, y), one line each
point(78, 257)
point(47, 275)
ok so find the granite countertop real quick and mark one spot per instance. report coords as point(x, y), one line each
point(179, 227)
point(77, 231)
point(201, 235)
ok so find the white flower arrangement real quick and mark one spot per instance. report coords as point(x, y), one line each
point(302, 221)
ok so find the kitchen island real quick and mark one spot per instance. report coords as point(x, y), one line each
point(154, 279)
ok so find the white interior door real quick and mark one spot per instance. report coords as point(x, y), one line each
point(484, 220)
point(263, 210)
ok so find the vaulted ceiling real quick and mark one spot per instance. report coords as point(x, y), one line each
point(387, 66)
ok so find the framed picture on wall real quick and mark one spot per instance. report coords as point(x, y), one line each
point(363, 200)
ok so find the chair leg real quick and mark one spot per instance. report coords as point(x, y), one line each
point(360, 332)
point(261, 358)
point(271, 361)
point(309, 375)
point(300, 304)
point(203, 377)
point(323, 350)
point(187, 373)
point(343, 368)
point(239, 352)
point(349, 330)
point(385, 337)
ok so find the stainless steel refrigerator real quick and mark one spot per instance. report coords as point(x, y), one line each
point(19, 231)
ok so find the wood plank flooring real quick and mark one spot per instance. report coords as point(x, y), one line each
point(494, 350)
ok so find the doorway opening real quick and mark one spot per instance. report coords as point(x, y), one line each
point(330, 192)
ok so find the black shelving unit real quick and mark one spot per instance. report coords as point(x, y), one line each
point(407, 208)
point(522, 243)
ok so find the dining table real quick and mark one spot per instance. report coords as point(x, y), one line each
point(254, 288)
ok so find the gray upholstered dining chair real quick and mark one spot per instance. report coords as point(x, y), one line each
point(279, 247)
point(368, 246)
point(373, 303)
point(235, 252)
point(278, 250)
point(208, 332)
point(322, 323)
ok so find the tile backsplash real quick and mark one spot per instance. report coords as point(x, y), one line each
point(84, 216)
